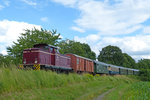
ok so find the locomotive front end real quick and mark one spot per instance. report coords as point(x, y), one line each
point(31, 59)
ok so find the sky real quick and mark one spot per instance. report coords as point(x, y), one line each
point(122, 23)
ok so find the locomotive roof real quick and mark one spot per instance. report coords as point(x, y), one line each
point(44, 44)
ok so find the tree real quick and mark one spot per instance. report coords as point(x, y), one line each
point(144, 64)
point(6, 61)
point(144, 74)
point(29, 38)
point(111, 55)
point(1, 60)
point(81, 49)
point(128, 61)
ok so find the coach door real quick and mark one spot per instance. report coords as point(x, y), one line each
point(52, 56)
point(85, 65)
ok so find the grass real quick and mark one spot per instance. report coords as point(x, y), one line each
point(47, 85)
point(15, 80)
point(70, 92)
point(138, 91)
point(117, 93)
point(133, 91)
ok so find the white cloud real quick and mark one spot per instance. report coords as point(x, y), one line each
point(130, 45)
point(77, 29)
point(44, 19)
point(92, 38)
point(138, 57)
point(136, 46)
point(4, 52)
point(1, 7)
point(146, 29)
point(70, 3)
point(10, 30)
point(6, 2)
point(119, 18)
point(113, 17)
point(29, 2)
point(110, 17)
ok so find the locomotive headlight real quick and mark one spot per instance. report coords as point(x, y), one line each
point(24, 61)
point(35, 61)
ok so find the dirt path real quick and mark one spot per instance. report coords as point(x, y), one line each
point(100, 97)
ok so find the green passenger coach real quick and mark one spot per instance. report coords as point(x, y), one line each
point(113, 69)
point(100, 67)
point(123, 71)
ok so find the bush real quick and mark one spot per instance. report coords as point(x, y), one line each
point(144, 74)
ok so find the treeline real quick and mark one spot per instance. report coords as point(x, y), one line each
point(109, 54)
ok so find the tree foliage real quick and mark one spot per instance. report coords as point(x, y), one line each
point(29, 38)
point(144, 64)
point(112, 55)
point(128, 61)
point(1, 59)
point(81, 49)
point(6, 61)
point(144, 74)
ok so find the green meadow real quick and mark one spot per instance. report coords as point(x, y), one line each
point(46, 85)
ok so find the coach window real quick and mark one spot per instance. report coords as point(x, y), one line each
point(54, 50)
point(77, 61)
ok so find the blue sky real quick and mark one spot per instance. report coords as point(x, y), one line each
point(123, 23)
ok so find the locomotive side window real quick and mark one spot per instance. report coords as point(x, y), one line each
point(51, 49)
point(46, 47)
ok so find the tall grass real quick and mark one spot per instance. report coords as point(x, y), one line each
point(33, 85)
point(18, 80)
point(138, 91)
point(14, 80)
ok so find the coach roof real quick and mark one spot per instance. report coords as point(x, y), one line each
point(80, 56)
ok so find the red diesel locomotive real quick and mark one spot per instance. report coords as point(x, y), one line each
point(43, 56)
